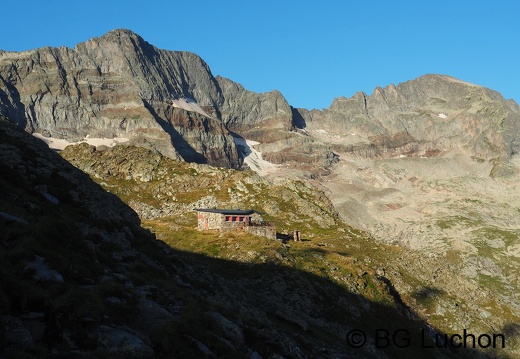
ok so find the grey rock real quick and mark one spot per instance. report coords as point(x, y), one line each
point(124, 342)
point(204, 350)
point(249, 113)
point(485, 314)
point(152, 314)
point(503, 170)
point(276, 356)
point(49, 197)
point(127, 255)
point(292, 319)
point(15, 332)
point(42, 272)
point(10, 218)
point(36, 326)
point(127, 283)
point(231, 330)
point(224, 342)
point(120, 85)
point(32, 207)
point(117, 238)
point(115, 301)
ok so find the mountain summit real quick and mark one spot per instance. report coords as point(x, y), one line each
point(119, 85)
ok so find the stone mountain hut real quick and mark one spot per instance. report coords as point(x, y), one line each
point(234, 219)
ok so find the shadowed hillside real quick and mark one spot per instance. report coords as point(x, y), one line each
point(80, 277)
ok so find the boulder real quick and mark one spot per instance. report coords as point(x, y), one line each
point(14, 332)
point(231, 330)
point(123, 342)
point(42, 272)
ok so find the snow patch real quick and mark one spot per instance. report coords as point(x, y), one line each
point(60, 144)
point(443, 115)
point(189, 104)
point(253, 158)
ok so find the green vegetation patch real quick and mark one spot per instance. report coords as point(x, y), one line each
point(508, 236)
point(458, 221)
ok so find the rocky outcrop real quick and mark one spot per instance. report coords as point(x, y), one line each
point(253, 115)
point(50, 293)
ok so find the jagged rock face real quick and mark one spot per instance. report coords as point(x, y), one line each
point(254, 115)
point(425, 116)
point(270, 120)
point(117, 85)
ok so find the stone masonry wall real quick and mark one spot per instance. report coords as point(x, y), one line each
point(230, 226)
point(264, 231)
point(214, 221)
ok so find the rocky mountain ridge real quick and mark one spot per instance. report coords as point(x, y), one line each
point(120, 85)
point(426, 116)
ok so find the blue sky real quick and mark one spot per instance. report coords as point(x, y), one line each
point(311, 51)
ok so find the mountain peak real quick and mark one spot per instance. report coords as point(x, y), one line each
point(443, 78)
point(120, 35)
point(122, 38)
point(121, 32)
